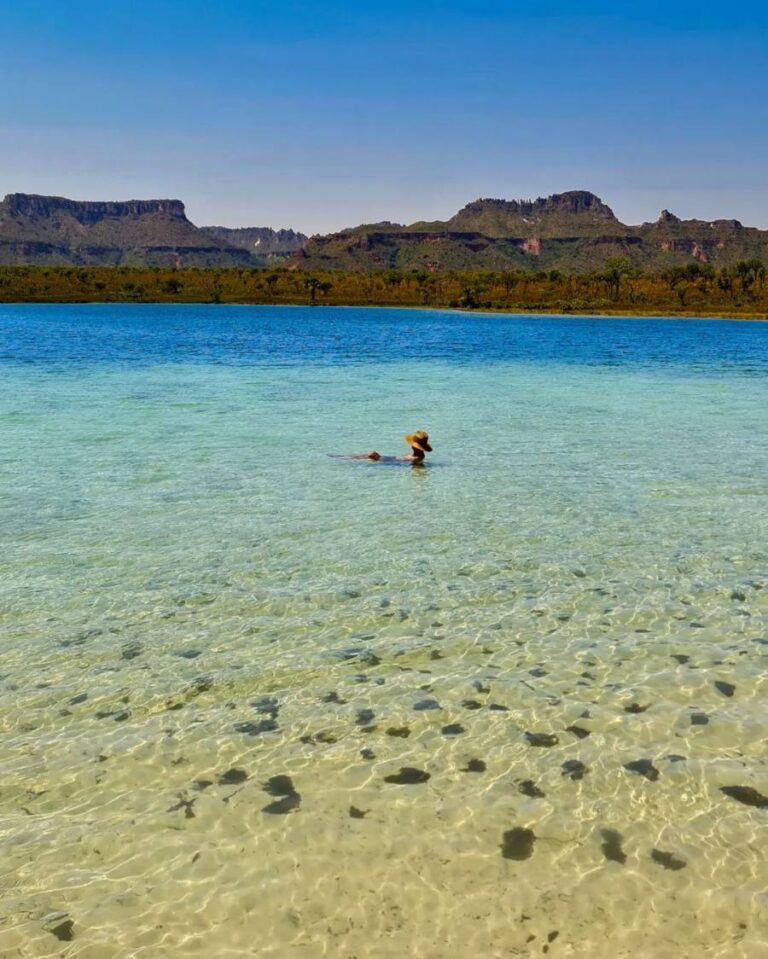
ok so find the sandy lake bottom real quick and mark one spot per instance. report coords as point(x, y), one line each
point(258, 701)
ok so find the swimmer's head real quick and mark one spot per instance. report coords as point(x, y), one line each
point(419, 441)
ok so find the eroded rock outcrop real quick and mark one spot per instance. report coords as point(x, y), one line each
point(56, 231)
point(261, 241)
point(571, 232)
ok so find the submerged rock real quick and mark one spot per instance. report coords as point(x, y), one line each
point(399, 732)
point(289, 800)
point(746, 795)
point(119, 715)
point(323, 736)
point(454, 729)
point(257, 728)
point(426, 704)
point(233, 777)
point(281, 807)
point(279, 786)
point(578, 731)
point(574, 769)
point(63, 929)
point(667, 860)
point(201, 684)
point(612, 846)
point(267, 705)
point(542, 739)
point(529, 788)
point(517, 843)
point(643, 767)
point(408, 776)
point(474, 766)
point(333, 697)
point(727, 689)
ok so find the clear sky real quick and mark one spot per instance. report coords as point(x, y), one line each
point(323, 114)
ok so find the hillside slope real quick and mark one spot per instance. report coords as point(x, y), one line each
point(273, 246)
point(573, 232)
point(54, 231)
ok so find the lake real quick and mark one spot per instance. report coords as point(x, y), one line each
point(256, 700)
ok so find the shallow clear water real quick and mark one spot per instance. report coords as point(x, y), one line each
point(186, 575)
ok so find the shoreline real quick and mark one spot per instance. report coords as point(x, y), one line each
point(755, 317)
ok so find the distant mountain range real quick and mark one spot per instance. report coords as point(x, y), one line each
point(54, 231)
point(259, 240)
point(571, 232)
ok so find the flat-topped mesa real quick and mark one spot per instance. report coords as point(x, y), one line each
point(570, 232)
point(87, 211)
point(572, 202)
point(56, 231)
point(576, 213)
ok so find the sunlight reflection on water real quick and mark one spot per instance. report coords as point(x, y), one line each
point(196, 601)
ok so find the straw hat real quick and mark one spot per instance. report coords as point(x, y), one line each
point(419, 440)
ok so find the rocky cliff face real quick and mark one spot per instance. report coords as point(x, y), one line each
point(572, 203)
point(719, 242)
point(88, 211)
point(578, 206)
point(55, 231)
point(578, 213)
point(572, 232)
point(261, 241)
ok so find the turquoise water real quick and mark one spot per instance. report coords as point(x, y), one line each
point(195, 598)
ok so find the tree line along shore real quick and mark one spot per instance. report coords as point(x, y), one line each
point(693, 289)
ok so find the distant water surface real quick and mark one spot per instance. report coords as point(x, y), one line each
point(257, 700)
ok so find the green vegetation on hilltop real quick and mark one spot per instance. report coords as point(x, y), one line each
point(694, 289)
point(577, 213)
point(573, 233)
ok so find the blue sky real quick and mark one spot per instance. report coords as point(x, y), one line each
point(326, 114)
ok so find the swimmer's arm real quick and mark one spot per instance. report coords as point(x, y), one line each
point(373, 455)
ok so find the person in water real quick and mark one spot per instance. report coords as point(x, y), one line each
point(418, 442)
